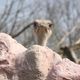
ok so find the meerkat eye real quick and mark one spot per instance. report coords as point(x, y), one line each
point(35, 25)
point(50, 25)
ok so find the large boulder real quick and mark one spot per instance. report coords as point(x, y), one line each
point(19, 63)
point(10, 51)
point(37, 63)
point(65, 70)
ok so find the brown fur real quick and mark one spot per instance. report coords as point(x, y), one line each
point(43, 31)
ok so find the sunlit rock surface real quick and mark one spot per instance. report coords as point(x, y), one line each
point(38, 62)
point(10, 51)
point(35, 63)
point(66, 70)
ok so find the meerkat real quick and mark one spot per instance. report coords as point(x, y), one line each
point(69, 53)
point(42, 30)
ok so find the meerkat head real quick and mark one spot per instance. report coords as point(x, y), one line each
point(43, 31)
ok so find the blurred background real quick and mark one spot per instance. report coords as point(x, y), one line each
point(15, 15)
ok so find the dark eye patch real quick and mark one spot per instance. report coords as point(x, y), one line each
point(35, 25)
point(50, 25)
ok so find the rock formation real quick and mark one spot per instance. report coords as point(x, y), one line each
point(65, 70)
point(10, 50)
point(19, 63)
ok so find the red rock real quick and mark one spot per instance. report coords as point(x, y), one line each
point(38, 62)
point(10, 50)
point(34, 63)
point(65, 70)
point(18, 63)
